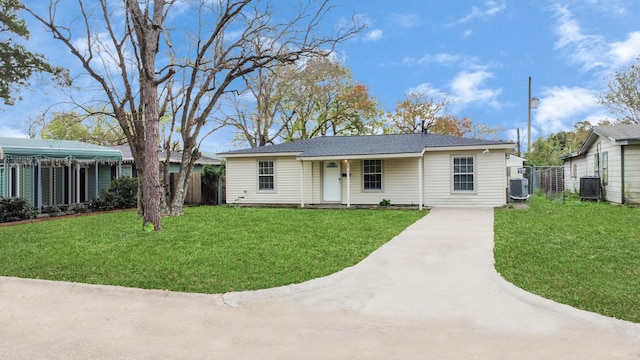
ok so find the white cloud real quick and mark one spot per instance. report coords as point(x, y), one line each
point(428, 90)
point(445, 59)
point(469, 87)
point(467, 33)
point(490, 8)
point(624, 52)
point(6, 131)
point(373, 35)
point(582, 48)
point(561, 107)
point(406, 20)
point(592, 51)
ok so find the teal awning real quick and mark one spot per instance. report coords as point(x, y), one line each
point(56, 149)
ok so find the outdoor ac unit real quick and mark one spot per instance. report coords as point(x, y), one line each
point(590, 187)
point(519, 188)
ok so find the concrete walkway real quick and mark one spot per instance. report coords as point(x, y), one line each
point(430, 293)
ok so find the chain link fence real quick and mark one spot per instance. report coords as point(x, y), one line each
point(527, 182)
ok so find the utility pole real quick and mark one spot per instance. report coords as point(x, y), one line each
point(532, 103)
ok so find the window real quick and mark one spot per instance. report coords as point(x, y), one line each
point(266, 175)
point(575, 171)
point(372, 174)
point(126, 170)
point(596, 164)
point(605, 168)
point(463, 174)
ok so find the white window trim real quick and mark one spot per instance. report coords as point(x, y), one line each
point(258, 176)
point(381, 177)
point(122, 173)
point(475, 174)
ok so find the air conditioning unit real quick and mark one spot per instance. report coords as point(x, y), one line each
point(590, 188)
point(519, 188)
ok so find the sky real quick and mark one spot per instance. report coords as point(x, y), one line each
point(479, 53)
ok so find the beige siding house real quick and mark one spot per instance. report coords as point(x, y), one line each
point(612, 154)
point(409, 169)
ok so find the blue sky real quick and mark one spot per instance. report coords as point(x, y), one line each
point(478, 52)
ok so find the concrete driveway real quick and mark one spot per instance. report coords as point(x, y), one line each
point(430, 293)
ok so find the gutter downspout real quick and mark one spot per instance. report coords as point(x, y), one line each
point(622, 199)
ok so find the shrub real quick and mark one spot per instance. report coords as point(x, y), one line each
point(121, 194)
point(385, 202)
point(15, 209)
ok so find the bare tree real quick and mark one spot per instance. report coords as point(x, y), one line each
point(122, 57)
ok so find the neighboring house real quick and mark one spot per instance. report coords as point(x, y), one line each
point(55, 172)
point(408, 169)
point(515, 165)
point(612, 155)
point(129, 166)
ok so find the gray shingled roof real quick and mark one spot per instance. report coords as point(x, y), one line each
point(176, 157)
point(366, 145)
point(620, 132)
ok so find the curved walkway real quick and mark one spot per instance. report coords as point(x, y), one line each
point(431, 292)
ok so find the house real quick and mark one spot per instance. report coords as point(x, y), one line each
point(407, 169)
point(55, 172)
point(515, 165)
point(611, 156)
point(128, 167)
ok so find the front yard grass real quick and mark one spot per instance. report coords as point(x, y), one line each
point(583, 254)
point(207, 250)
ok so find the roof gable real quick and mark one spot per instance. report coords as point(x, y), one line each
point(367, 145)
point(616, 134)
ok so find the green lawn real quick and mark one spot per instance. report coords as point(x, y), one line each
point(584, 254)
point(207, 250)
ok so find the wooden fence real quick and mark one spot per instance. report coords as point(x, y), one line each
point(199, 192)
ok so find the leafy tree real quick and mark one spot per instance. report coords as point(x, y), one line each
point(622, 96)
point(96, 129)
point(117, 44)
point(548, 151)
point(418, 112)
point(17, 64)
point(316, 98)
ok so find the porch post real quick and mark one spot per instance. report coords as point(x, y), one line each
point(301, 183)
point(77, 182)
point(39, 186)
point(70, 186)
point(97, 184)
point(348, 184)
point(5, 173)
point(420, 182)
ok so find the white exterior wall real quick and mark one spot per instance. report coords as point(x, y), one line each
point(242, 181)
point(400, 181)
point(571, 176)
point(490, 179)
point(631, 174)
point(612, 192)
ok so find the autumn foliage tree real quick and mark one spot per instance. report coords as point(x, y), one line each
point(316, 97)
point(418, 112)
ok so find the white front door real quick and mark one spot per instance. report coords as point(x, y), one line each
point(331, 181)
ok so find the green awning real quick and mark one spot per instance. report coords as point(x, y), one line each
point(56, 149)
